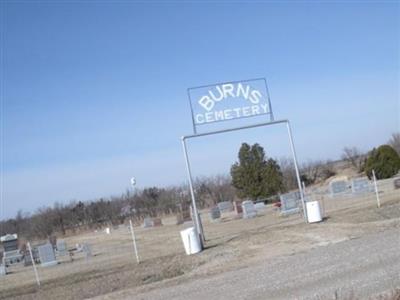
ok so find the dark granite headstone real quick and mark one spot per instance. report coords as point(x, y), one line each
point(215, 213)
point(290, 202)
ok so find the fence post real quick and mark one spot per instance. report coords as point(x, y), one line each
point(378, 201)
point(134, 241)
point(34, 265)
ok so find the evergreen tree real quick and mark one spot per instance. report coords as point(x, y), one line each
point(253, 176)
point(384, 161)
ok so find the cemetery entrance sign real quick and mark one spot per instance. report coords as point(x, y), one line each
point(231, 101)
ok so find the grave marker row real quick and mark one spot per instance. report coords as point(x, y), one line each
point(151, 222)
point(355, 186)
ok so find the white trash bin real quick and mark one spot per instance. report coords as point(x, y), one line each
point(191, 241)
point(313, 212)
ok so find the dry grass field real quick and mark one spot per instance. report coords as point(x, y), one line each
point(232, 243)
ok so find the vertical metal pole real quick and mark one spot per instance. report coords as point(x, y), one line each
point(196, 215)
point(378, 201)
point(34, 265)
point(297, 169)
point(134, 241)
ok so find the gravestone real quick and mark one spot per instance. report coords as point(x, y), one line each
point(12, 257)
point(225, 206)
point(186, 216)
point(3, 270)
point(87, 250)
point(260, 206)
point(183, 216)
point(78, 247)
point(338, 187)
point(361, 185)
point(215, 213)
point(157, 222)
point(62, 247)
point(238, 207)
point(27, 259)
point(46, 255)
point(9, 242)
point(179, 218)
point(147, 222)
point(290, 203)
point(248, 210)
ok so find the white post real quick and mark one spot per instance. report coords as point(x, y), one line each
point(134, 241)
point(34, 265)
point(297, 170)
point(378, 201)
point(197, 220)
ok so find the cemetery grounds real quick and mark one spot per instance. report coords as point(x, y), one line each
point(231, 243)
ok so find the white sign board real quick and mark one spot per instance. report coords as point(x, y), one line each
point(229, 101)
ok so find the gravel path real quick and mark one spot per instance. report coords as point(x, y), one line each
point(364, 266)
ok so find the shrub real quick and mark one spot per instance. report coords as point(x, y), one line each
point(384, 161)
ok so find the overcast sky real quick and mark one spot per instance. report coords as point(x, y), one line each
point(96, 92)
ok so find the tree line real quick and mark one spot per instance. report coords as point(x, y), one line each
point(148, 202)
point(254, 176)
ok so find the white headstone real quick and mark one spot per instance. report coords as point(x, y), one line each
point(78, 247)
point(62, 247)
point(147, 222)
point(248, 209)
point(3, 270)
point(46, 255)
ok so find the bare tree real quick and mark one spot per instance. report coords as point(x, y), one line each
point(327, 170)
point(311, 171)
point(395, 142)
point(354, 157)
point(289, 173)
point(314, 171)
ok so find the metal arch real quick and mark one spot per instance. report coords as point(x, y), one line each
point(198, 225)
